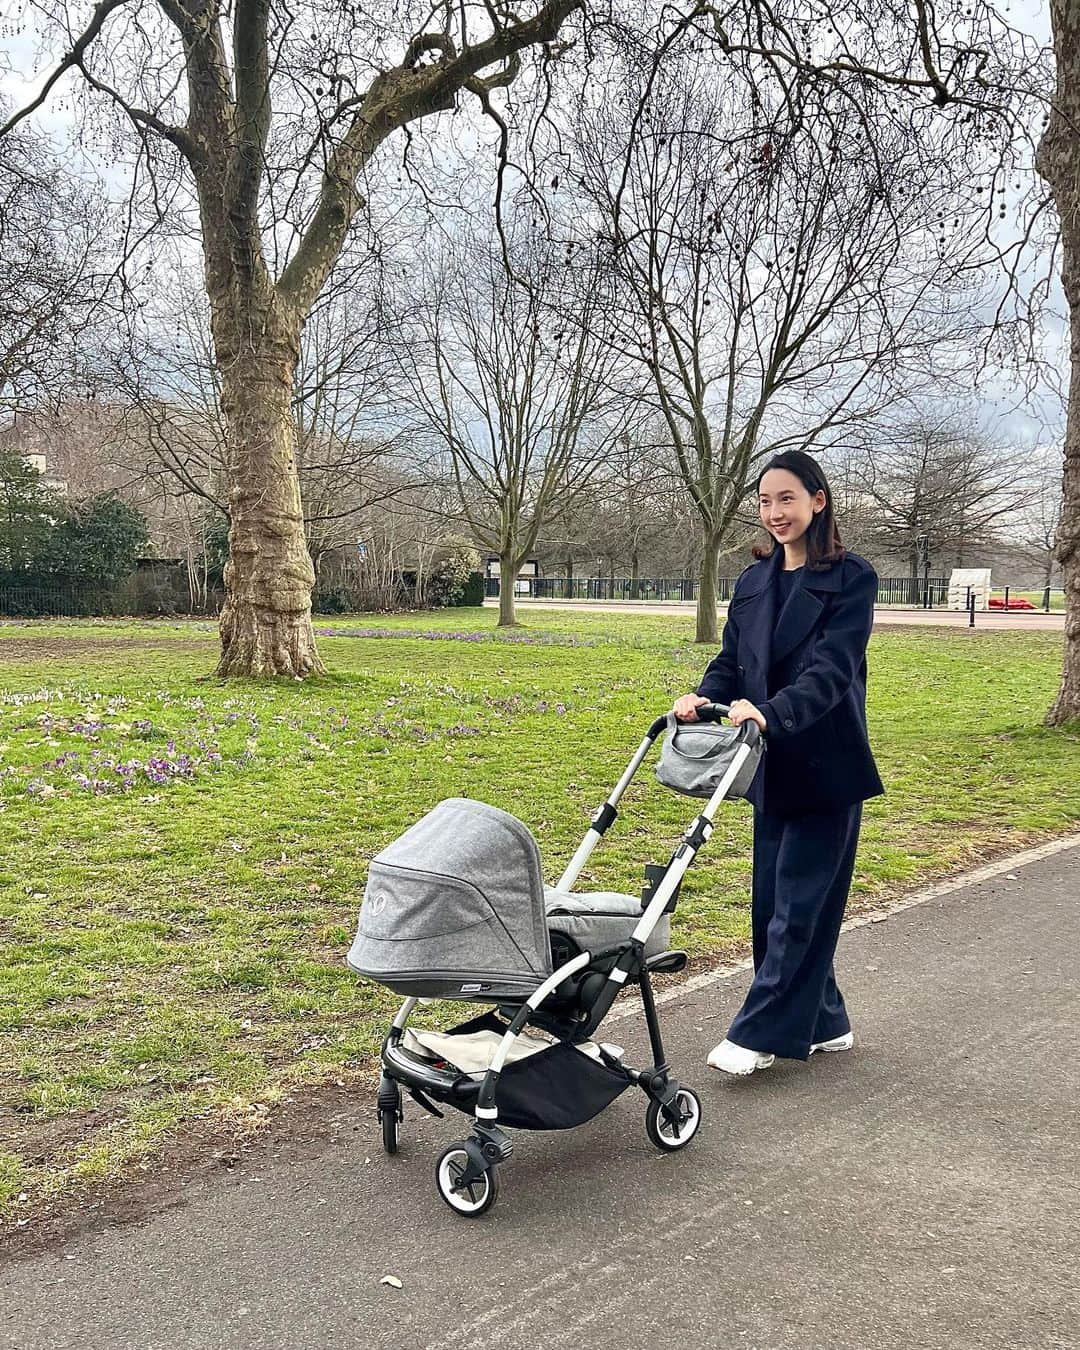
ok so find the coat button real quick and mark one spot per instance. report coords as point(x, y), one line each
point(788, 722)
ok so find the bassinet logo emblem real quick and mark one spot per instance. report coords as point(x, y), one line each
point(377, 903)
point(474, 988)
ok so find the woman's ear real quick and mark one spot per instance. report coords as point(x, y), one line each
point(819, 500)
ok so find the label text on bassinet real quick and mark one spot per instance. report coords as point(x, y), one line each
point(474, 988)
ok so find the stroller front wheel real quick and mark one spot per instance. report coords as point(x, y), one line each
point(390, 1113)
point(672, 1127)
point(472, 1199)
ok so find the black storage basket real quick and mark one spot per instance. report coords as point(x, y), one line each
point(555, 1089)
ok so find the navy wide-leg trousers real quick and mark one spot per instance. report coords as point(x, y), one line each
point(802, 872)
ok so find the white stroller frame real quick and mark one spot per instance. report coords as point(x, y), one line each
point(466, 1173)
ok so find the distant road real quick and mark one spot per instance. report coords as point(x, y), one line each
point(883, 616)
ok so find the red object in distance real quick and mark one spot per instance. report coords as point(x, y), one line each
point(1015, 602)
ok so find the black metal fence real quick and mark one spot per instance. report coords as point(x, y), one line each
point(40, 602)
point(142, 597)
point(607, 588)
point(891, 590)
point(926, 593)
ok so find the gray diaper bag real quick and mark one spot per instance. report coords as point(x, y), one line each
point(696, 755)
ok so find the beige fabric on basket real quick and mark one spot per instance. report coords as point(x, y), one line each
point(473, 1051)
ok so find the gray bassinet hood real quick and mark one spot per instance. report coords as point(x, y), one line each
point(454, 908)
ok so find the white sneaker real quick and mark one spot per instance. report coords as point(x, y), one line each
point(844, 1042)
point(731, 1058)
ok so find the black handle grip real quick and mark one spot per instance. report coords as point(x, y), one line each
point(710, 712)
point(714, 712)
point(706, 712)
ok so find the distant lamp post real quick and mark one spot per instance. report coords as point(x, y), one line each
point(922, 543)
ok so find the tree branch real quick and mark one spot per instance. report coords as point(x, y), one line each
point(74, 58)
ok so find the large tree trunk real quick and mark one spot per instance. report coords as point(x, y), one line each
point(1059, 164)
point(508, 570)
point(707, 630)
point(266, 619)
point(1067, 704)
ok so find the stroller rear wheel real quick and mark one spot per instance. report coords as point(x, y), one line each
point(471, 1199)
point(672, 1127)
point(390, 1113)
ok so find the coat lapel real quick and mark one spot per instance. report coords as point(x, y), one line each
point(803, 609)
point(757, 609)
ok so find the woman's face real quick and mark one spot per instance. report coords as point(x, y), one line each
point(785, 505)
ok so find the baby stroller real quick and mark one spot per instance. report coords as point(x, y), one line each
point(456, 908)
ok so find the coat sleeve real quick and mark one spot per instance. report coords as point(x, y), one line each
point(836, 660)
point(719, 684)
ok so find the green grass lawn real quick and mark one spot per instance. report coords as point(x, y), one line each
point(182, 861)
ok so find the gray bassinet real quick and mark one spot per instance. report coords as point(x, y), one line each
point(456, 908)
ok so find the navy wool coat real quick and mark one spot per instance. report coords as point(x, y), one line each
point(806, 670)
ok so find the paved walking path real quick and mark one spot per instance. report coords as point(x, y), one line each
point(883, 617)
point(919, 1193)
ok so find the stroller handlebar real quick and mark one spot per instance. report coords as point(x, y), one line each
point(709, 712)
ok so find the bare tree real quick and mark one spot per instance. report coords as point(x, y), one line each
point(53, 277)
point(1039, 521)
point(353, 450)
point(519, 387)
point(781, 283)
point(936, 477)
point(633, 516)
point(350, 449)
point(198, 81)
point(975, 80)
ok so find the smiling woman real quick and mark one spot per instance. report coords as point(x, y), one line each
point(794, 661)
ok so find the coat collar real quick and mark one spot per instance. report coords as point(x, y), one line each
point(770, 641)
point(763, 573)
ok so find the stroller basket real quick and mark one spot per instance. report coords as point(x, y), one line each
point(557, 1088)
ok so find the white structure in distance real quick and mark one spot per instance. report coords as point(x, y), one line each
point(965, 580)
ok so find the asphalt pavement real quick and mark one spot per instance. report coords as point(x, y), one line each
point(917, 1193)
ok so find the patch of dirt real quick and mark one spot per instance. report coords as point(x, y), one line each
point(52, 1136)
point(295, 1130)
point(64, 649)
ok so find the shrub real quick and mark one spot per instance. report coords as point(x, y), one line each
point(333, 599)
point(95, 541)
point(449, 579)
point(474, 590)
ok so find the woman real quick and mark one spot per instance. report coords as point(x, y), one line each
point(793, 660)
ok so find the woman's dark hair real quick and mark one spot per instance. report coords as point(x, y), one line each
point(823, 545)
